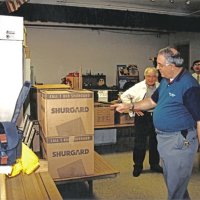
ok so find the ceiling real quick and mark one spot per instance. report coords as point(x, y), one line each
point(150, 15)
point(177, 8)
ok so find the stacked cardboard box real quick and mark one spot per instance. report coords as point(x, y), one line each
point(35, 96)
point(104, 115)
point(67, 123)
point(123, 118)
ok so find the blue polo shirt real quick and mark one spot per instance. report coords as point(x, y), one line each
point(178, 103)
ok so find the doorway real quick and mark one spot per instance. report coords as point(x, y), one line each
point(184, 50)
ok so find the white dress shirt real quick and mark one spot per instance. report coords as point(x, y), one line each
point(195, 75)
point(136, 92)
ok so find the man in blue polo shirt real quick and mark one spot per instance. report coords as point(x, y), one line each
point(176, 119)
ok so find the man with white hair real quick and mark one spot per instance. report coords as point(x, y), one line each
point(144, 127)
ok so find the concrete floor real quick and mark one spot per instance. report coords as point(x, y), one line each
point(148, 186)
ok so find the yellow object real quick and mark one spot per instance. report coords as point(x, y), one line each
point(17, 168)
point(27, 163)
point(29, 160)
point(51, 86)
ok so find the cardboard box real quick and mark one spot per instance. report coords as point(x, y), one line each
point(67, 113)
point(69, 156)
point(74, 82)
point(105, 95)
point(103, 115)
point(123, 118)
point(35, 96)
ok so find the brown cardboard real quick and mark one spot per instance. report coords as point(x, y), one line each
point(74, 81)
point(104, 115)
point(124, 118)
point(71, 156)
point(37, 93)
point(67, 113)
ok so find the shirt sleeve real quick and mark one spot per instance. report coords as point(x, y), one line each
point(129, 94)
point(126, 96)
point(191, 100)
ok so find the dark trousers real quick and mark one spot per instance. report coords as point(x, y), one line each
point(144, 128)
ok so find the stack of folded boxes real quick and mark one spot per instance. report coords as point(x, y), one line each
point(67, 124)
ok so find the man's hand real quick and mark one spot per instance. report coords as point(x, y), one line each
point(138, 112)
point(122, 107)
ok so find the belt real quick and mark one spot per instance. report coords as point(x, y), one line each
point(184, 132)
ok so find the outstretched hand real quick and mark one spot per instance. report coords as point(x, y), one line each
point(124, 107)
point(121, 107)
point(139, 113)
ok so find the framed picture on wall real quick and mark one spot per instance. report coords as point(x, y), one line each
point(127, 76)
point(127, 70)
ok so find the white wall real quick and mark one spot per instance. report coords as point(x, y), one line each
point(57, 51)
point(190, 38)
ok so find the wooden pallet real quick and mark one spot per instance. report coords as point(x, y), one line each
point(31, 187)
point(102, 170)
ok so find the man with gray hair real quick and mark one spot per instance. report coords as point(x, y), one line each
point(176, 119)
point(144, 127)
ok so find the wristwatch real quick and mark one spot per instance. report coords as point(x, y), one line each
point(131, 113)
point(132, 106)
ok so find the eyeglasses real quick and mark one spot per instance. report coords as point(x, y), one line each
point(162, 65)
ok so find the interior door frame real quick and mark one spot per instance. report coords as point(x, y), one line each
point(184, 49)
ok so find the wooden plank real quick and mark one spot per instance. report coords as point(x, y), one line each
point(114, 126)
point(41, 185)
point(50, 186)
point(3, 187)
point(14, 191)
point(102, 169)
point(31, 187)
point(43, 166)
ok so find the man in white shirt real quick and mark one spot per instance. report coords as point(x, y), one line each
point(196, 68)
point(144, 122)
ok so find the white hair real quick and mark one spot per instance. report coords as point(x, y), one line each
point(151, 69)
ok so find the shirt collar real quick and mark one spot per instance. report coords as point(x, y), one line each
point(178, 77)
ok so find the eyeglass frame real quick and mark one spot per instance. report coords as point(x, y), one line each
point(163, 65)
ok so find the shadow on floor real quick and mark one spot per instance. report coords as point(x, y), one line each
point(77, 190)
point(148, 186)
